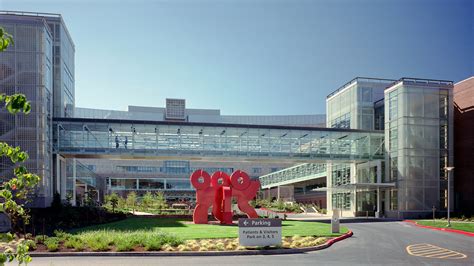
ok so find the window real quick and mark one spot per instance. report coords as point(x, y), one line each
point(139, 169)
point(393, 138)
point(343, 121)
point(393, 169)
point(341, 200)
point(123, 184)
point(178, 184)
point(393, 200)
point(393, 106)
point(91, 167)
point(443, 136)
point(443, 104)
point(176, 167)
point(151, 184)
point(365, 94)
point(257, 170)
point(341, 174)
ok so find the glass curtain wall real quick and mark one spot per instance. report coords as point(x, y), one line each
point(26, 67)
point(418, 129)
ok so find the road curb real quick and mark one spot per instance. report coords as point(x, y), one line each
point(193, 253)
point(441, 229)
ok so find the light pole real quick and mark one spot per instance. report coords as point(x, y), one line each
point(449, 169)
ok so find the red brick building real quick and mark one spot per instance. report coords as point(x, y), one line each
point(464, 146)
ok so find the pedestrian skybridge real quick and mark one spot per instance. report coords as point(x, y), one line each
point(136, 139)
point(295, 174)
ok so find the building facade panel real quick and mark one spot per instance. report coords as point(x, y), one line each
point(26, 67)
point(418, 136)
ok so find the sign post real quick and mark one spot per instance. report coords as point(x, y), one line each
point(335, 221)
point(259, 232)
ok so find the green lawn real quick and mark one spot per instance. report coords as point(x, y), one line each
point(187, 230)
point(464, 226)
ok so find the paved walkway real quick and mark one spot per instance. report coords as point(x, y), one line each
point(142, 213)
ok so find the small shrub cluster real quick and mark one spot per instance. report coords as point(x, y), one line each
point(52, 244)
point(75, 243)
point(302, 242)
point(105, 240)
point(233, 244)
point(282, 206)
point(149, 202)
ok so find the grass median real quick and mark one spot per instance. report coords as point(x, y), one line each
point(463, 226)
point(186, 230)
point(171, 234)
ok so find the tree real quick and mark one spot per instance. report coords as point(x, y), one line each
point(159, 201)
point(14, 192)
point(113, 200)
point(132, 200)
point(147, 200)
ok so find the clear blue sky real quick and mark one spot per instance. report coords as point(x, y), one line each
point(255, 56)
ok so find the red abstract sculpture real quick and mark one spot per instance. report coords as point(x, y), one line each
point(217, 191)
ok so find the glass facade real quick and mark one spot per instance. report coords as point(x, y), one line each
point(418, 130)
point(26, 67)
point(63, 70)
point(358, 104)
point(352, 105)
point(111, 137)
point(299, 173)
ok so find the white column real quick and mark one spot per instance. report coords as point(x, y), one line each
point(379, 171)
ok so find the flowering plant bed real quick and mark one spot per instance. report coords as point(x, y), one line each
point(72, 244)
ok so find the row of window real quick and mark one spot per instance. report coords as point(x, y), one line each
point(341, 201)
point(340, 174)
point(179, 170)
point(148, 184)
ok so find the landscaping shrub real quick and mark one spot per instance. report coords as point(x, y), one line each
point(127, 242)
point(102, 240)
point(152, 244)
point(75, 243)
point(157, 239)
point(39, 239)
point(125, 245)
point(61, 235)
point(97, 240)
point(31, 244)
point(52, 243)
point(98, 245)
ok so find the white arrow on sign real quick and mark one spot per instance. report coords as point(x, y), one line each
point(245, 222)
